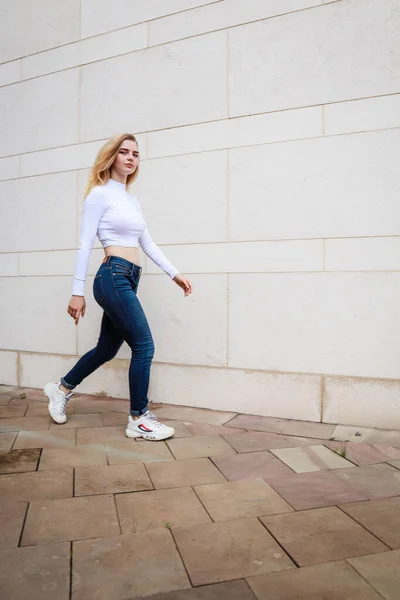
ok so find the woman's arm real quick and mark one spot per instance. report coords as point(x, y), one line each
point(154, 252)
point(157, 256)
point(93, 210)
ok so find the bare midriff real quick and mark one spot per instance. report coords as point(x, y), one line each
point(129, 253)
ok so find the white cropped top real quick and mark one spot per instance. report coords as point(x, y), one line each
point(116, 217)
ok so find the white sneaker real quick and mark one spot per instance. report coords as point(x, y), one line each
point(148, 427)
point(57, 402)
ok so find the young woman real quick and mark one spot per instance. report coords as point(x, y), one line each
point(116, 217)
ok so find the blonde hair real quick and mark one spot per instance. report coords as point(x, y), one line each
point(100, 173)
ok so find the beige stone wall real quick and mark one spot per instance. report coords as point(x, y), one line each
point(270, 142)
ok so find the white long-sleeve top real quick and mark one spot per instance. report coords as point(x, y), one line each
point(115, 216)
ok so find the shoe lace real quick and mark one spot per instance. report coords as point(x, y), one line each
point(63, 403)
point(153, 418)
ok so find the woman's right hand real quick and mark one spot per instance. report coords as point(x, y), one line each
point(76, 307)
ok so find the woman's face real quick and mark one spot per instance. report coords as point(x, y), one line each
point(127, 159)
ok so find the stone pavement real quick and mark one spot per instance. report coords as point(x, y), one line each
point(234, 507)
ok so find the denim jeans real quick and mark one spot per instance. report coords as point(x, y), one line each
point(114, 288)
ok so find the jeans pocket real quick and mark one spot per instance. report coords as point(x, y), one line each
point(98, 289)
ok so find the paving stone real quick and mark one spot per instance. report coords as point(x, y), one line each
point(111, 479)
point(285, 426)
point(7, 440)
point(127, 566)
point(12, 411)
point(251, 465)
point(394, 463)
point(45, 439)
point(366, 435)
point(103, 435)
point(223, 551)
point(207, 429)
point(231, 590)
point(314, 490)
point(25, 424)
point(389, 451)
point(111, 418)
point(19, 461)
point(160, 508)
point(359, 454)
point(382, 571)
point(333, 581)
point(181, 473)
point(39, 409)
point(41, 573)
point(241, 499)
point(251, 441)
point(311, 458)
point(199, 446)
point(5, 389)
point(181, 431)
point(29, 394)
point(130, 452)
point(321, 535)
point(76, 421)
point(86, 404)
point(66, 519)
point(73, 456)
point(300, 442)
point(381, 517)
point(196, 415)
point(12, 516)
point(4, 399)
point(27, 487)
point(375, 481)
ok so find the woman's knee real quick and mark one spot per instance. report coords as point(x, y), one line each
point(144, 347)
point(107, 352)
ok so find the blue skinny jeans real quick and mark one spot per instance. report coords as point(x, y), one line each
point(114, 288)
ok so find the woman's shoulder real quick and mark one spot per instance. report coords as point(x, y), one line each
point(97, 194)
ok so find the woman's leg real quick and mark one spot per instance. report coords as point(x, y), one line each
point(109, 342)
point(122, 305)
point(107, 347)
point(128, 319)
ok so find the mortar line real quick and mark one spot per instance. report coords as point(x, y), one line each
point(116, 510)
point(79, 83)
point(224, 242)
point(205, 273)
point(199, 123)
point(286, 552)
point(362, 577)
point(192, 487)
point(322, 398)
point(171, 41)
point(79, 20)
point(23, 525)
point(227, 73)
point(71, 552)
point(360, 378)
point(227, 318)
point(361, 525)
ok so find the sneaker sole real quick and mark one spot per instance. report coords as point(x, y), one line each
point(147, 436)
point(47, 392)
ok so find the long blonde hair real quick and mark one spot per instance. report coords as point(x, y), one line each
point(100, 173)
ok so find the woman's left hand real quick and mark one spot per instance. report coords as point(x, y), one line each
point(183, 283)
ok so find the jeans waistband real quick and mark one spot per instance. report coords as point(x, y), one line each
point(111, 260)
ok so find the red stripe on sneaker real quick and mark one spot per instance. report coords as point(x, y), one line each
point(144, 428)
